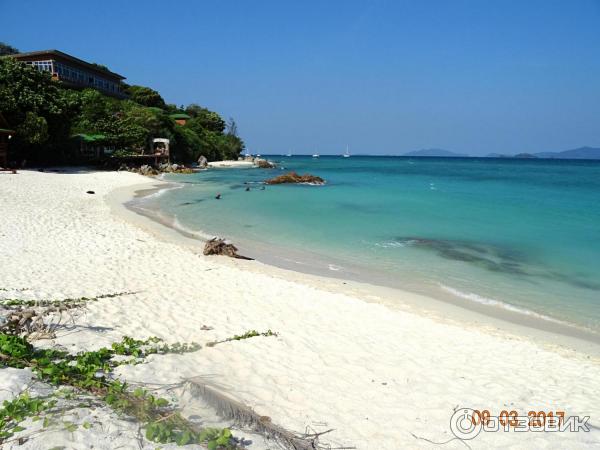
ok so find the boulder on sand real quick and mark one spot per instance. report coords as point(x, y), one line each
point(202, 162)
point(217, 246)
point(293, 177)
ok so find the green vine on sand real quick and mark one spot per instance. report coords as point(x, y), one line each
point(247, 335)
point(67, 302)
point(16, 411)
point(90, 372)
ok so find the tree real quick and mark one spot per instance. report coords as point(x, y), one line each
point(6, 49)
point(186, 145)
point(145, 96)
point(34, 129)
point(209, 120)
point(38, 108)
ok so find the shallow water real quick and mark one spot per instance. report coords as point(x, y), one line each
point(518, 234)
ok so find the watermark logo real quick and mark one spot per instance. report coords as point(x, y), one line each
point(467, 423)
point(462, 424)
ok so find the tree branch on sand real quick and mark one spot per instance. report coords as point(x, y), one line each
point(244, 416)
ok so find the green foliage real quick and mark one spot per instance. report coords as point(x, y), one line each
point(247, 335)
point(250, 334)
point(171, 430)
point(90, 371)
point(6, 49)
point(34, 129)
point(46, 114)
point(145, 96)
point(16, 411)
point(187, 145)
point(69, 302)
point(37, 108)
point(84, 370)
point(205, 119)
point(101, 66)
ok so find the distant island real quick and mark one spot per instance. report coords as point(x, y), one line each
point(435, 152)
point(576, 153)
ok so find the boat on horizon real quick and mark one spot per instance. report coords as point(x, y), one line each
point(347, 154)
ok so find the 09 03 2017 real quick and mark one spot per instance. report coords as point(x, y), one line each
point(537, 418)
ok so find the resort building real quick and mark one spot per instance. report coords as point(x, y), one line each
point(74, 72)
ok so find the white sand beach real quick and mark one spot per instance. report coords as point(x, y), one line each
point(381, 376)
point(231, 164)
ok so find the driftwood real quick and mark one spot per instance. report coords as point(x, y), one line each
point(39, 319)
point(217, 246)
point(36, 323)
point(244, 416)
point(293, 177)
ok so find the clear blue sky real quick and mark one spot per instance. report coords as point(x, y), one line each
point(383, 76)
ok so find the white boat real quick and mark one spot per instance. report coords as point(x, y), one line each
point(289, 154)
point(316, 155)
point(347, 154)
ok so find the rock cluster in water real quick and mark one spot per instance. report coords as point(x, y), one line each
point(293, 177)
point(263, 164)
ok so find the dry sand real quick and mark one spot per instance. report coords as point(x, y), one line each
point(382, 377)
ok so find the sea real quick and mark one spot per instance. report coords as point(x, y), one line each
point(520, 235)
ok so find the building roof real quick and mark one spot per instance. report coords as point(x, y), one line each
point(57, 53)
point(179, 116)
point(90, 137)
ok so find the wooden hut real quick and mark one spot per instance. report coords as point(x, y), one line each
point(92, 147)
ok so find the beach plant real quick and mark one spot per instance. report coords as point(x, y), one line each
point(66, 302)
point(16, 411)
point(247, 335)
point(91, 372)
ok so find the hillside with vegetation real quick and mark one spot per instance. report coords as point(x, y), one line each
point(49, 117)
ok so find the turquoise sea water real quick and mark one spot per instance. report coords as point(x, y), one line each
point(523, 235)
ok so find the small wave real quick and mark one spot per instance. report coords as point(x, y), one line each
point(396, 244)
point(162, 191)
point(334, 267)
point(196, 233)
point(499, 304)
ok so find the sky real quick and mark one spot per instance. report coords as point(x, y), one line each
point(384, 77)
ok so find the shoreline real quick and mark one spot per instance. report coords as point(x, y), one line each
point(462, 311)
point(383, 376)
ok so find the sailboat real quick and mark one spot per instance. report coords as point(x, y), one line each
point(289, 153)
point(347, 154)
point(315, 155)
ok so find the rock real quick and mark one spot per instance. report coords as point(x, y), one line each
point(220, 247)
point(90, 192)
point(202, 161)
point(174, 167)
point(148, 170)
point(264, 164)
point(293, 177)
